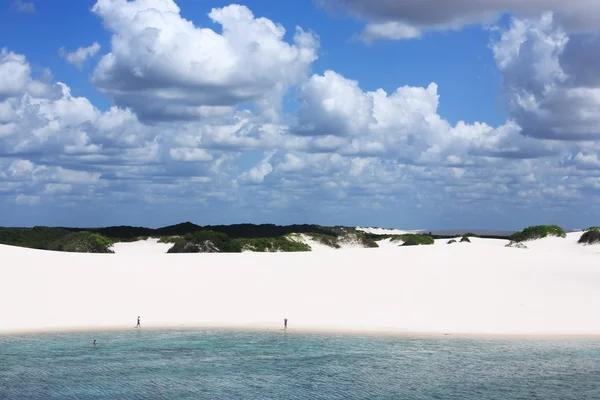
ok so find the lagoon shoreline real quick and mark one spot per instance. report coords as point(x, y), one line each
point(478, 289)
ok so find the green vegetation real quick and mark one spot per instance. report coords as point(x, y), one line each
point(271, 245)
point(590, 236)
point(82, 242)
point(39, 237)
point(327, 240)
point(469, 234)
point(465, 239)
point(592, 228)
point(213, 242)
point(413, 239)
point(361, 238)
point(168, 239)
point(537, 232)
point(205, 242)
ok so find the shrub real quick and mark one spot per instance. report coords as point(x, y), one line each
point(168, 239)
point(412, 239)
point(590, 236)
point(271, 245)
point(358, 237)
point(204, 241)
point(451, 241)
point(537, 232)
point(465, 239)
point(470, 234)
point(82, 242)
point(327, 240)
point(39, 237)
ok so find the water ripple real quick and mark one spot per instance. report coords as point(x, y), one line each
point(215, 364)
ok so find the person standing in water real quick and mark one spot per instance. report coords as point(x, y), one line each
point(138, 322)
point(94, 342)
point(285, 323)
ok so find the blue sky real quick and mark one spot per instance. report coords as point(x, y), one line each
point(411, 114)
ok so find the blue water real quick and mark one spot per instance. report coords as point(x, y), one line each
point(215, 364)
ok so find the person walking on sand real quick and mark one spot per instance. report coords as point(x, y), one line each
point(138, 322)
point(285, 323)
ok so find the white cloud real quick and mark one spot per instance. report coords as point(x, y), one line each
point(258, 173)
point(388, 30)
point(79, 56)
point(14, 73)
point(406, 19)
point(164, 67)
point(24, 6)
point(190, 154)
point(374, 150)
point(333, 105)
point(545, 100)
point(23, 199)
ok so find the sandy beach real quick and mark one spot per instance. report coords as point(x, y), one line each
point(478, 288)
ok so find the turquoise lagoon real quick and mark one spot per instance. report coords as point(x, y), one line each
point(235, 364)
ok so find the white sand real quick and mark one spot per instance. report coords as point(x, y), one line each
point(314, 245)
point(148, 246)
point(552, 288)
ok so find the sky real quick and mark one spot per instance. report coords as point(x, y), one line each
point(415, 114)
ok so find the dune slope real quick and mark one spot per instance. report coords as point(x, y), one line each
point(466, 288)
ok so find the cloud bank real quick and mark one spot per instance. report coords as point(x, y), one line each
point(197, 123)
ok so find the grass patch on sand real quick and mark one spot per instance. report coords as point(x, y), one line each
point(538, 232)
point(82, 242)
point(327, 240)
point(413, 239)
point(590, 236)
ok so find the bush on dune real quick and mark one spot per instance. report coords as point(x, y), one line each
point(82, 242)
point(168, 239)
point(469, 234)
point(412, 239)
point(204, 241)
point(272, 245)
point(590, 236)
point(537, 232)
point(39, 237)
point(358, 238)
point(327, 240)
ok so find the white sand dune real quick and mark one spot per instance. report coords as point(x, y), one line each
point(148, 246)
point(466, 288)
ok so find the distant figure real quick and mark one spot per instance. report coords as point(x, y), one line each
point(94, 342)
point(138, 322)
point(285, 323)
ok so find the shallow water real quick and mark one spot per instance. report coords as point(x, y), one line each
point(220, 364)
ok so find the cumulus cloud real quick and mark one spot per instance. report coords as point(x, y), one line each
point(165, 68)
point(79, 56)
point(14, 73)
point(258, 173)
point(550, 87)
point(347, 152)
point(336, 115)
point(405, 19)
